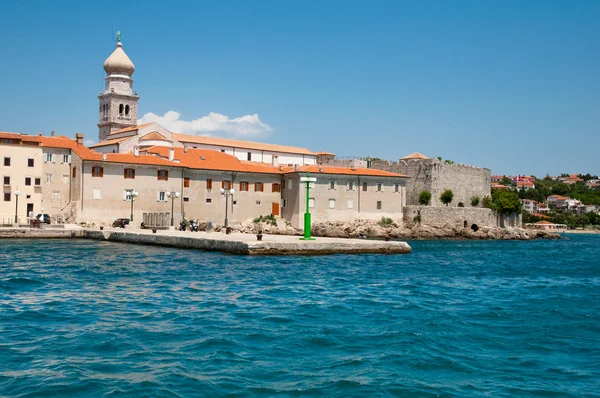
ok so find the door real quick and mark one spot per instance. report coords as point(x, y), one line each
point(275, 208)
point(30, 210)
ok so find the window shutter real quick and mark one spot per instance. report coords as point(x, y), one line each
point(132, 173)
point(125, 195)
point(53, 158)
point(69, 159)
point(101, 171)
point(158, 196)
point(124, 173)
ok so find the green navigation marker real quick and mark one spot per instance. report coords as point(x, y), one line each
point(308, 179)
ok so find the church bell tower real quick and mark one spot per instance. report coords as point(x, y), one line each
point(118, 102)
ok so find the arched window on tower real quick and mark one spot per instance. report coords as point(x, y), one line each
point(121, 109)
point(127, 109)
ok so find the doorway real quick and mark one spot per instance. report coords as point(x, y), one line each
point(275, 209)
point(30, 210)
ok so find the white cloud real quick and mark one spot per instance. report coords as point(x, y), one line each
point(89, 142)
point(244, 126)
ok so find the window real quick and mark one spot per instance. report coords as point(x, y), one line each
point(186, 182)
point(311, 202)
point(351, 203)
point(331, 184)
point(289, 184)
point(379, 187)
point(276, 187)
point(37, 181)
point(365, 186)
point(208, 184)
point(56, 196)
point(97, 171)
point(350, 186)
point(74, 171)
point(129, 173)
point(49, 158)
point(127, 194)
point(7, 162)
point(66, 159)
point(127, 109)
point(161, 196)
point(226, 184)
point(249, 156)
point(282, 184)
point(243, 185)
point(6, 180)
point(30, 163)
point(258, 187)
point(235, 202)
point(27, 181)
point(96, 194)
point(49, 177)
point(208, 200)
point(65, 179)
point(284, 204)
point(396, 187)
point(258, 202)
point(332, 203)
point(7, 196)
point(186, 199)
point(121, 109)
point(379, 205)
point(163, 175)
point(223, 150)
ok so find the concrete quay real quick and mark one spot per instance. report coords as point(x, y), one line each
point(235, 243)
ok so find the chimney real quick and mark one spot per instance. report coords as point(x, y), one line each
point(52, 133)
point(275, 160)
point(281, 168)
point(136, 151)
point(295, 167)
point(104, 156)
point(79, 138)
point(171, 154)
point(184, 148)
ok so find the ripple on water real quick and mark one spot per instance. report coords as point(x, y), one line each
point(83, 318)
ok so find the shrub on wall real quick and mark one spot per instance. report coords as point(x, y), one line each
point(486, 202)
point(474, 201)
point(461, 204)
point(424, 198)
point(447, 196)
point(386, 222)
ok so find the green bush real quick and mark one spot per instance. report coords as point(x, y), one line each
point(486, 202)
point(474, 201)
point(386, 222)
point(268, 219)
point(424, 198)
point(461, 204)
point(447, 196)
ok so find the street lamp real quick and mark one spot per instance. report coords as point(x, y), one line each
point(131, 195)
point(17, 193)
point(172, 195)
point(227, 193)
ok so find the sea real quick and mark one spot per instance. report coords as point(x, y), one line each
point(84, 318)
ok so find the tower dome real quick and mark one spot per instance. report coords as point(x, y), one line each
point(118, 62)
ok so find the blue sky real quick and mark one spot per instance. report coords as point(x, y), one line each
point(509, 85)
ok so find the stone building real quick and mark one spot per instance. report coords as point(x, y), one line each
point(436, 176)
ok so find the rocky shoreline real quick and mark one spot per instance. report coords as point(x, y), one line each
point(373, 230)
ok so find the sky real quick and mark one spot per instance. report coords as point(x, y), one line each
point(512, 86)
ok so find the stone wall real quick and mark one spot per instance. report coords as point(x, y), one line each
point(457, 217)
point(436, 176)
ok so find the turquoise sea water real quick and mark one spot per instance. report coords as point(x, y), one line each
point(454, 318)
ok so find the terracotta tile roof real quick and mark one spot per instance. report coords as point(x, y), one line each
point(154, 136)
point(7, 135)
point(415, 155)
point(199, 139)
point(343, 170)
point(544, 222)
point(133, 128)
point(538, 215)
point(324, 153)
point(208, 159)
point(525, 184)
point(109, 142)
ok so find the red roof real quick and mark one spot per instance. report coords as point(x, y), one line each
point(345, 171)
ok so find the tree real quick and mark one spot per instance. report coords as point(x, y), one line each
point(447, 196)
point(474, 201)
point(425, 198)
point(487, 202)
point(506, 202)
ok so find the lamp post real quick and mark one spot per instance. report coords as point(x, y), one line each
point(172, 195)
point(308, 179)
point(17, 193)
point(227, 193)
point(131, 195)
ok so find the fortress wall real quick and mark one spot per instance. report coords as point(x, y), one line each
point(455, 217)
point(434, 175)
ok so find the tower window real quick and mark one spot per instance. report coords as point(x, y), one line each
point(127, 109)
point(121, 109)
